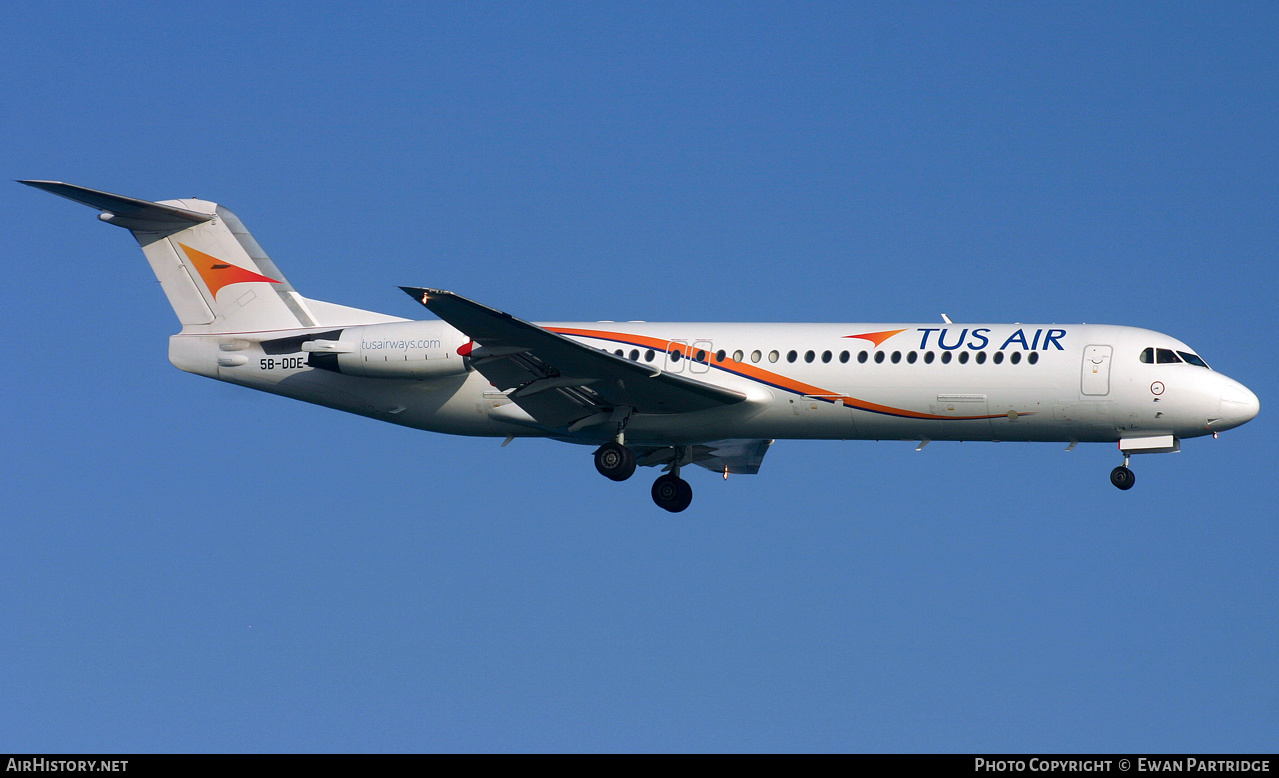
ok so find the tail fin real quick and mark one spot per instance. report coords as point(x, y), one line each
point(216, 276)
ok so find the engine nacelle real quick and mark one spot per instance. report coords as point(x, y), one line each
point(410, 349)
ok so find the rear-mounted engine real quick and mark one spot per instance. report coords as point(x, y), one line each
point(407, 350)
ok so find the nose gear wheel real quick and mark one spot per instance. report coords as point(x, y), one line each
point(1122, 478)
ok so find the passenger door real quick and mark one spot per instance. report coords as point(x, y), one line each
point(1096, 371)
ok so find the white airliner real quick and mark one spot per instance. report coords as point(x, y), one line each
point(672, 394)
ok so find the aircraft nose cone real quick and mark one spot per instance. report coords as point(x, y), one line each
point(1238, 403)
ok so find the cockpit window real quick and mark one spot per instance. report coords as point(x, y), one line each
point(1193, 359)
point(1166, 356)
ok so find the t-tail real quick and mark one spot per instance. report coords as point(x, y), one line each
point(216, 276)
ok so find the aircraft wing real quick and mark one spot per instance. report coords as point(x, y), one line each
point(721, 456)
point(561, 383)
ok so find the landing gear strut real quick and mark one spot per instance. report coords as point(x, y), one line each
point(672, 493)
point(1122, 477)
point(613, 459)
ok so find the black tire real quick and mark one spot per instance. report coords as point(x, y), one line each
point(1122, 478)
point(672, 493)
point(615, 461)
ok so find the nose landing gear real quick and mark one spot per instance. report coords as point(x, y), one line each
point(1122, 477)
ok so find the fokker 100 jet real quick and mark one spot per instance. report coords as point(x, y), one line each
point(672, 395)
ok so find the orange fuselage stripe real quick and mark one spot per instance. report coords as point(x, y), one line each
point(765, 376)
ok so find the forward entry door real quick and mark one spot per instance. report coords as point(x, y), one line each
point(1096, 371)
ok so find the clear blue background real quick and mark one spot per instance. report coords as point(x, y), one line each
point(190, 566)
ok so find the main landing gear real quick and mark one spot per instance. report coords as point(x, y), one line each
point(1122, 477)
point(614, 460)
point(672, 493)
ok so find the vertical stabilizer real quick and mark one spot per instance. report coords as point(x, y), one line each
point(216, 276)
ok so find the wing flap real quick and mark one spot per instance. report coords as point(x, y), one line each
point(732, 456)
point(736, 456)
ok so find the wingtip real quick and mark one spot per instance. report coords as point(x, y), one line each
point(422, 295)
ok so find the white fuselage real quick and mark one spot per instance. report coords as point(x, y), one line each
point(1011, 382)
point(713, 395)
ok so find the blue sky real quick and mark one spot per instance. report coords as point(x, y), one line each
point(189, 566)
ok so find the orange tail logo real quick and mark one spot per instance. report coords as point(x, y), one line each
point(217, 274)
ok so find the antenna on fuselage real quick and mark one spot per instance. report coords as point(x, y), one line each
point(946, 319)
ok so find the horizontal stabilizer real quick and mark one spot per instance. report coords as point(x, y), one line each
point(128, 212)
